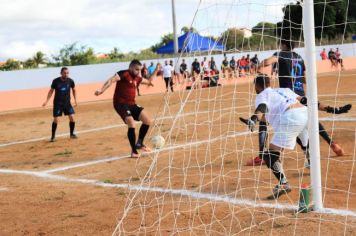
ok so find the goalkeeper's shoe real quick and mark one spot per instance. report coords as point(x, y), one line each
point(257, 161)
point(337, 149)
point(279, 190)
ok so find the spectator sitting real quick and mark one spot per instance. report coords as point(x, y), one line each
point(243, 65)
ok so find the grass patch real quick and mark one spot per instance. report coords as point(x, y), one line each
point(278, 225)
point(41, 123)
point(135, 179)
point(121, 193)
point(66, 153)
point(227, 162)
point(107, 181)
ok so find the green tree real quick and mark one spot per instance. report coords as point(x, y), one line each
point(74, 55)
point(233, 39)
point(29, 63)
point(39, 58)
point(11, 64)
point(329, 18)
point(186, 29)
point(164, 40)
point(265, 28)
point(116, 54)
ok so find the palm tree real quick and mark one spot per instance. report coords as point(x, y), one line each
point(39, 58)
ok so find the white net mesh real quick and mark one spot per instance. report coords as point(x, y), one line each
point(198, 183)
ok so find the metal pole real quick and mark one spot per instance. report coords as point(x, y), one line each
point(312, 91)
point(175, 37)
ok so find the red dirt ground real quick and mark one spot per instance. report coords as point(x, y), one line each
point(43, 205)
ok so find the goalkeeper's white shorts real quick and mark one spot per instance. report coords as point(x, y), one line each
point(293, 123)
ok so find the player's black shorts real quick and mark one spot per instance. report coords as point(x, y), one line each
point(59, 109)
point(125, 110)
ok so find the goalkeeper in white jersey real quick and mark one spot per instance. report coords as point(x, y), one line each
point(281, 108)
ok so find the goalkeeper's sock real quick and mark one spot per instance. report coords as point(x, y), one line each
point(272, 161)
point(262, 135)
point(324, 134)
point(278, 172)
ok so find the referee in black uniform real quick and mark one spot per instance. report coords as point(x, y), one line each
point(61, 102)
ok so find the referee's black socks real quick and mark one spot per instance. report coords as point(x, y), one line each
point(71, 127)
point(54, 128)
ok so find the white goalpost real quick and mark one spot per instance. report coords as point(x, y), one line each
point(312, 94)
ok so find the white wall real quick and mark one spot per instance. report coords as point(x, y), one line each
point(41, 78)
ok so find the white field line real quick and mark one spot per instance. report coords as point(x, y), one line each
point(327, 119)
point(3, 189)
point(339, 119)
point(100, 129)
point(167, 148)
point(178, 192)
point(87, 163)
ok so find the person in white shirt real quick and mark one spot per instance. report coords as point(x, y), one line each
point(282, 109)
point(167, 75)
point(205, 66)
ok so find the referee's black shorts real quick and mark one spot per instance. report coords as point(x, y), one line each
point(60, 108)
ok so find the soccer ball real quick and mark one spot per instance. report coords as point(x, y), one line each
point(157, 141)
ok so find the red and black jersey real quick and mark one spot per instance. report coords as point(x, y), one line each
point(125, 91)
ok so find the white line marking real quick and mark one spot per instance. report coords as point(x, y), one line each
point(342, 119)
point(85, 164)
point(61, 135)
point(339, 119)
point(179, 192)
point(167, 148)
point(97, 129)
point(3, 189)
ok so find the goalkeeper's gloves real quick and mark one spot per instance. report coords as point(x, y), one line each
point(338, 110)
point(251, 122)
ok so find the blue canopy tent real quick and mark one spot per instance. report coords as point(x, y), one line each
point(192, 42)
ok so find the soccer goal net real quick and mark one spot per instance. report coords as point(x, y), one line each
point(206, 180)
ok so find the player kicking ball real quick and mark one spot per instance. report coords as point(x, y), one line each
point(281, 108)
point(125, 104)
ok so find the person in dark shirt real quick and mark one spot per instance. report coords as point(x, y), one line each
point(213, 64)
point(195, 68)
point(125, 104)
point(254, 64)
point(224, 65)
point(332, 58)
point(233, 65)
point(183, 69)
point(291, 74)
point(61, 87)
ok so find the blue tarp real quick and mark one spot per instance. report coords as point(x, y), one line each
point(354, 37)
point(192, 42)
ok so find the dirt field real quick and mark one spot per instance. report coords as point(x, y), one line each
point(197, 184)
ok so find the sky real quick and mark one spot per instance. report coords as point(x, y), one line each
point(28, 26)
